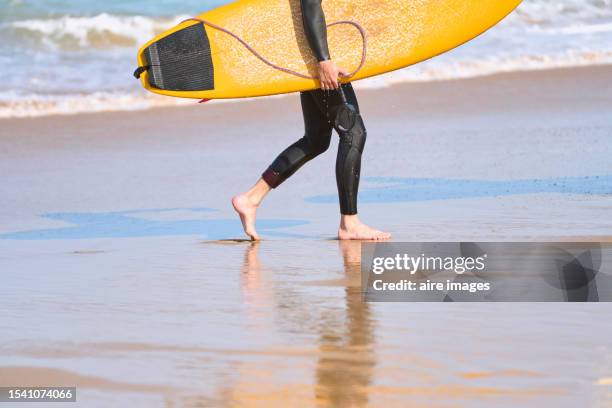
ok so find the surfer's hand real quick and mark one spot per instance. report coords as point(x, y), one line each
point(329, 74)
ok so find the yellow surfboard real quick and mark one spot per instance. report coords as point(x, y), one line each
point(195, 60)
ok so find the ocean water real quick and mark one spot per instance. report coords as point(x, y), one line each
point(69, 56)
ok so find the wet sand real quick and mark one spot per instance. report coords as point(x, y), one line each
point(124, 273)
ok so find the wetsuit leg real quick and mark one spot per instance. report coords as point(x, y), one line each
point(320, 109)
point(316, 140)
point(352, 142)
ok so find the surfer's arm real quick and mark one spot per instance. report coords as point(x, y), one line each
point(315, 28)
point(316, 34)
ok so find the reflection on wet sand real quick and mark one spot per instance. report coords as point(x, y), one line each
point(347, 367)
point(256, 327)
point(345, 357)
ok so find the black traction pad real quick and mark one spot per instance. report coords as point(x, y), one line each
point(181, 61)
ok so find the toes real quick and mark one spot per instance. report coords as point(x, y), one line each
point(367, 234)
point(382, 235)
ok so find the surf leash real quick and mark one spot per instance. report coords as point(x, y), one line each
point(362, 32)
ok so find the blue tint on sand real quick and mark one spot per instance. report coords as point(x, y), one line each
point(397, 189)
point(127, 224)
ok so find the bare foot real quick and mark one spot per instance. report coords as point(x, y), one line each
point(247, 212)
point(361, 231)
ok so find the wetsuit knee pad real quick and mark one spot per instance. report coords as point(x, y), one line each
point(350, 127)
point(345, 117)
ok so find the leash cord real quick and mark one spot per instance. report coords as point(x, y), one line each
point(362, 32)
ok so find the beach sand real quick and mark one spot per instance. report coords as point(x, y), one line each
point(125, 273)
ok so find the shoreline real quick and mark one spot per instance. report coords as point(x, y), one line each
point(185, 104)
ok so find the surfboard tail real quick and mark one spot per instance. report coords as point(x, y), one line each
point(181, 61)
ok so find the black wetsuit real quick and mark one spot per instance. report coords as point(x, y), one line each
point(320, 109)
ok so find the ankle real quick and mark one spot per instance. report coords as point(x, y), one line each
point(258, 192)
point(348, 222)
point(253, 199)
